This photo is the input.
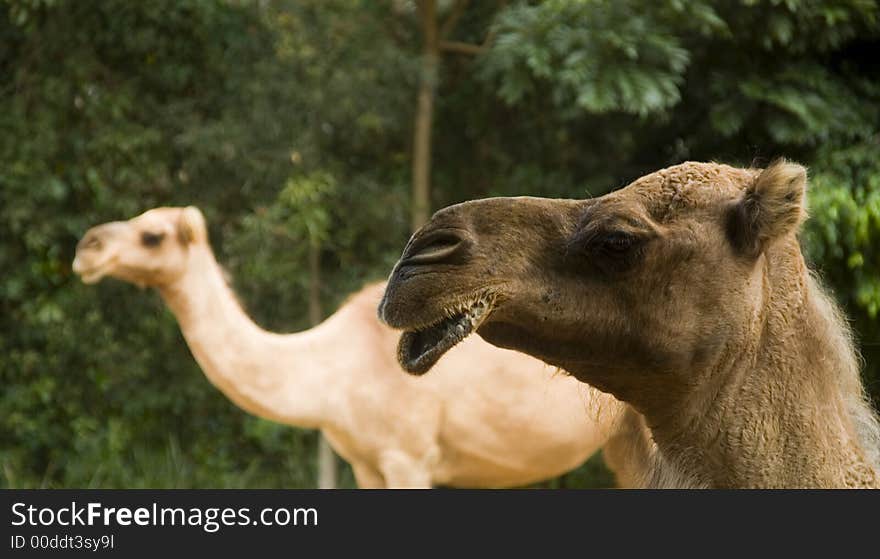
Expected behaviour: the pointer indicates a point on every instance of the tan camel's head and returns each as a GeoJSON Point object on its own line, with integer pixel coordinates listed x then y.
{"type": "Point", "coordinates": [644, 282]}
{"type": "Point", "coordinates": [149, 250]}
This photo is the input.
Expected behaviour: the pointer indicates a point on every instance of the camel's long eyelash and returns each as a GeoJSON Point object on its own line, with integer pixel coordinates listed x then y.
{"type": "Point", "coordinates": [605, 242]}
{"type": "Point", "coordinates": [611, 251]}
{"type": "Point", "coordinates": [615, 243]}
{"type": "Point", "coordinates": [152, 239]}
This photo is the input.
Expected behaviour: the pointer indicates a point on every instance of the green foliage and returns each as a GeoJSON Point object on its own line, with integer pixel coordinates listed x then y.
{"type": "Point", "coordinates": [842, 236]}
{"type": "Point", "coordinates": [308, 198]}
{"type": "Point", "coordinates": [593, 56]}
{"type": "Point", "coordinates": [592, 475]}
{"type": "Point", "coordinates": [845, 227]}
{"type": "Point", "coordinates": [291, 121]}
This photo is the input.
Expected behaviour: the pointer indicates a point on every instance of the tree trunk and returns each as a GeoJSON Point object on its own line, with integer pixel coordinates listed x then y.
{"type": "Point", "coordinates": [327, 474]}
{"type": "Point", "coordinates": [421, 199]}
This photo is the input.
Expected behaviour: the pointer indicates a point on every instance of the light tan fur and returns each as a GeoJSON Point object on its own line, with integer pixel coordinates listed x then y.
{"type": "Point", "coordinates": [489, 418]}
{"type": "Point", "coordinates": [684, 294]}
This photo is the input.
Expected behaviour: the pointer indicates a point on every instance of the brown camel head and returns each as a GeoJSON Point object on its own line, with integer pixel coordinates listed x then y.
{"type": "Point", "coordinates": [641, 284]}
{"type": "Point", "coordinates": [149, 250]}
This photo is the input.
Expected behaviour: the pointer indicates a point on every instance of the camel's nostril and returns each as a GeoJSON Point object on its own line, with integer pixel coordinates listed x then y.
{"type": "Point", "coordinates": [435, 247]}
{"type": "Point", "coordinates": [89, 242]}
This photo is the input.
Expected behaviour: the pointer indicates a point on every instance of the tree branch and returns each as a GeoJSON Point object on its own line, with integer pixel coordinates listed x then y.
{"type": "Point", "coordinates": [458, 46]}
{"type": "Point", "coordinates": [462, 48]}
{"type": "Point", "coordinates": [457, 11]}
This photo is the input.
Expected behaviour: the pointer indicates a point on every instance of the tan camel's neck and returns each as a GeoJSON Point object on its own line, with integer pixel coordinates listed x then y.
{"type": "Point", "coordinates": [781, 415]}
{"type": "Point", "coordinates": [283, 378]}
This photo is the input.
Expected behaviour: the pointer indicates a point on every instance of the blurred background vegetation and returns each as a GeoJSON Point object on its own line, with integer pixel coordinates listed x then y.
{"type": "Point", "coordinates": [296, 121]}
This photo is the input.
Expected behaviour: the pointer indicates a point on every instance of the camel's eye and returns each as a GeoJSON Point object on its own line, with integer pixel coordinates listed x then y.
{"type": "Point", "coordinates": [616, 243]}
{"type": "Point", "coordinates": [151, 240]}
{"type": "Point", "coordinates": [614, 252]}
{"type": "Point", "coordinates": [611, 249]}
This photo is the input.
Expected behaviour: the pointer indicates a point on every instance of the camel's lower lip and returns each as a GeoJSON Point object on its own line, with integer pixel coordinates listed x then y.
{"type": "Point", "coordinates": [88, 275]}
{"type": "Point", "coordinates": [420, 349]}
{"type": "Point", "coordinates": [91, 277]}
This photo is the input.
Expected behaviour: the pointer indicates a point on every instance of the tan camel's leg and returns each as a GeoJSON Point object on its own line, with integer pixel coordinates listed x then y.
{"type": "Point", "coordinates": [367, 477]}
{"type": "Point", "coordinates": [402, 471]}
{"type": "Point", "coordinates": [629, 450]}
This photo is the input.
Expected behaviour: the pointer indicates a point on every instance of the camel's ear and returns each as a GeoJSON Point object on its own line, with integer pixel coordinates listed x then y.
{"type": "Point", "coordinates": [191, 227]}
{"type": "Point", "coordinates": [771, 207]}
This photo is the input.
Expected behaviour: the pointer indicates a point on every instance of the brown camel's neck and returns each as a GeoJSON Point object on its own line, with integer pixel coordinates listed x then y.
{"type": "Point", "coordinates": [777, 411]}
{"type": "Point", "coordinates": [283, 378]}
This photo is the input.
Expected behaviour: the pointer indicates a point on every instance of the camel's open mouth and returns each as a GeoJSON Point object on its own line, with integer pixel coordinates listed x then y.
{"type": "Point", "coordinates": [420, 349]}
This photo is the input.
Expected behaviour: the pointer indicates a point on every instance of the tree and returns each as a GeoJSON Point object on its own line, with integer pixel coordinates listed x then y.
{"type": "Point", "coordinates": [435, 41]}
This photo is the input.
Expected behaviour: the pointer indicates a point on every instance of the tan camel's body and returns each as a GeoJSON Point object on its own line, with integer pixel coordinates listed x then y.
{"type": "Point", "coordinates": [489, 418]}
{"type": "Point", "coordinates": [684, 294]}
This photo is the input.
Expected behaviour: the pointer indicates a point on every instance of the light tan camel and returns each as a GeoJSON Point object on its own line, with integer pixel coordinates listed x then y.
{"type": "Point", "coordinates": [490, 418]}
{"type": "Point", "coordinates": [684, 294]}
